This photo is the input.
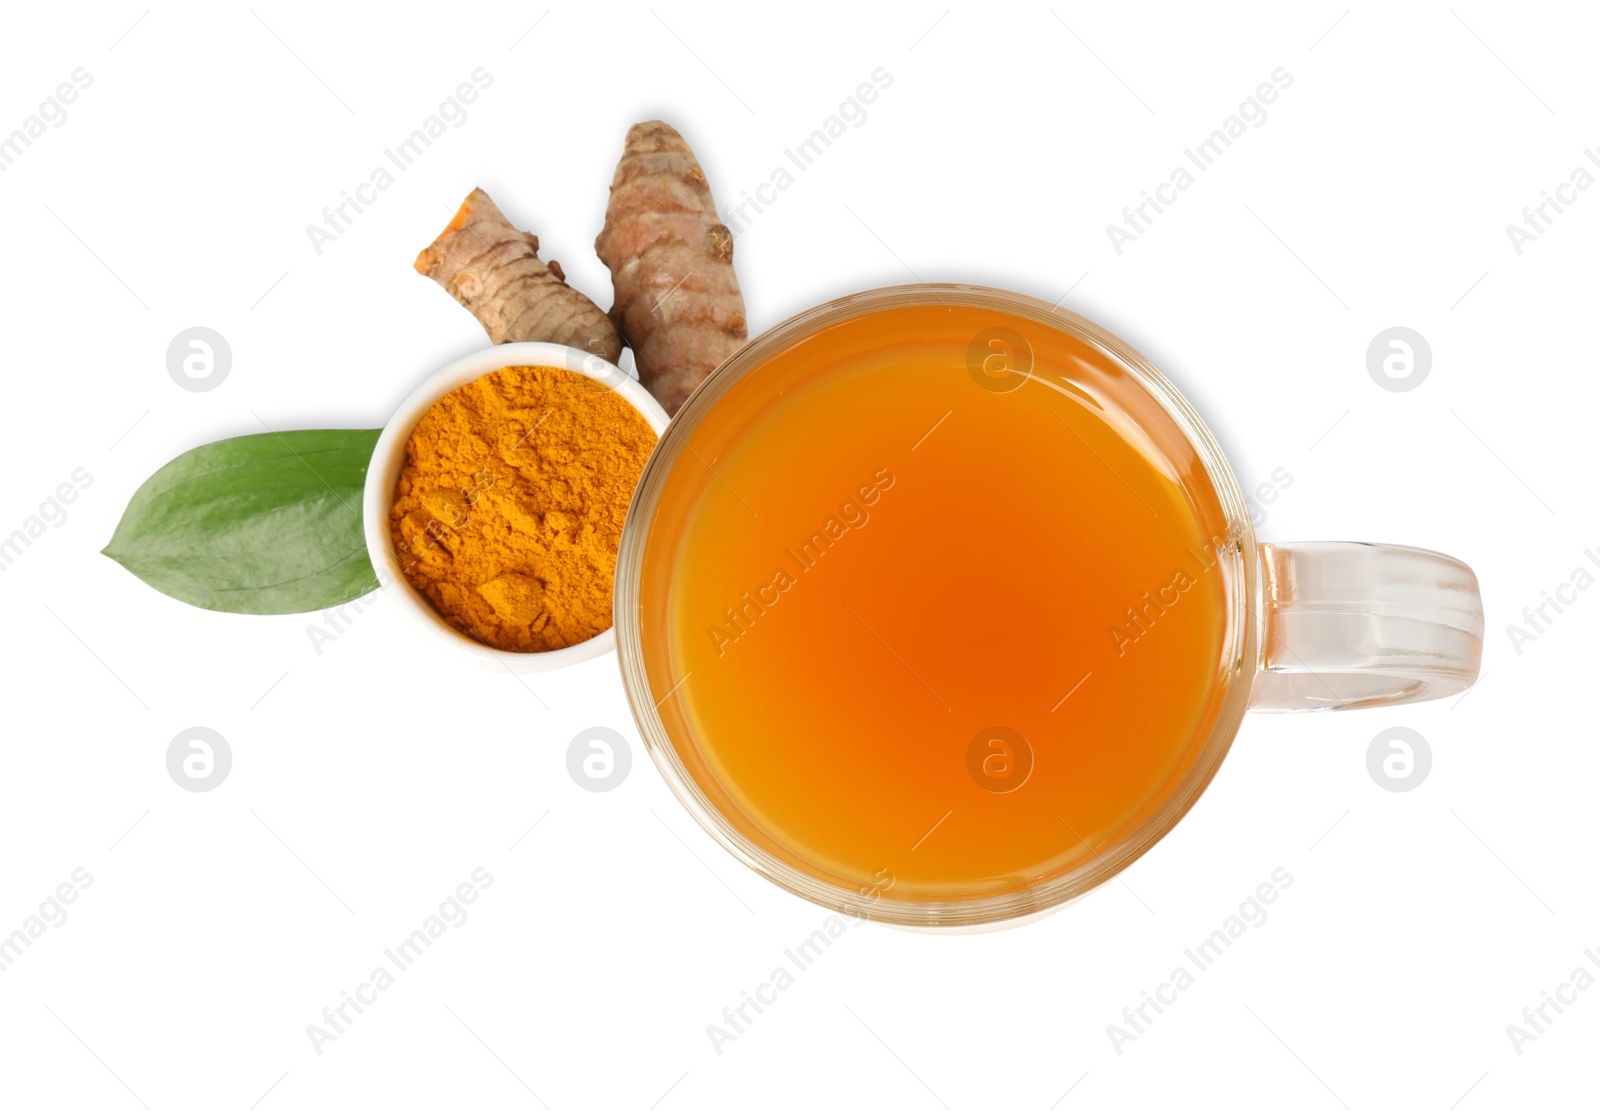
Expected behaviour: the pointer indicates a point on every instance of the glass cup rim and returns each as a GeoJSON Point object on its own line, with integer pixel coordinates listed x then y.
{"type": "Point", "coordinates": [1240, 648]}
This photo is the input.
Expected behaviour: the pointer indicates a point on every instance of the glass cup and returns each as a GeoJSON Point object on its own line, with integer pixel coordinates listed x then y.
{"type": "Point", "coordinates": [1308, 626]}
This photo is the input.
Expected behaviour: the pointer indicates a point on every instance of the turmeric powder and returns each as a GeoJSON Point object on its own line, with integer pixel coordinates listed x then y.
{"type": "Point", "coordinates": [508, 510]}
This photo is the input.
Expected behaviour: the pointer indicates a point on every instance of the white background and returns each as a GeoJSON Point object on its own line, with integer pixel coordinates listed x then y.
{"type": "Point", "coordinates": [372, 777]}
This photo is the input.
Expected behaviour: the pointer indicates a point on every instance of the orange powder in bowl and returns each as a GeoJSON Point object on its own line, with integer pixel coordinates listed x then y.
{"type": "Point", "coordinates": [508, 510]}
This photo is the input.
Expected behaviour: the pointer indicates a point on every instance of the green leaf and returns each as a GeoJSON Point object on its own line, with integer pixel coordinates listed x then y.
{"type": "Point", "coordinates": [260, 524]}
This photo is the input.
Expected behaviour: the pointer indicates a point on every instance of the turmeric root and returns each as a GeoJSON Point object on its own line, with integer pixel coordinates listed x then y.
{"type": "Point", "coordinates": [677, 300]}
{"type": "Point", "coordinates": [493, 269]}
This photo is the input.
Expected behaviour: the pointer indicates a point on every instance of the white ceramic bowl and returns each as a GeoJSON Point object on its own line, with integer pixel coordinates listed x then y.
{"type": "Point", "coordinates": [389, 456]}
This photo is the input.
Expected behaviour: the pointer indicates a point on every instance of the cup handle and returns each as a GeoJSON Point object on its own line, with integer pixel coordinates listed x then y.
{"type": "Point", "coordinates": [1352, 625]}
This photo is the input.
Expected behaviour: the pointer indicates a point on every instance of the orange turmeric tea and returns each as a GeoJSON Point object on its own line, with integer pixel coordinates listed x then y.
{"type": "Point", "coordinates": [932, 604]}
